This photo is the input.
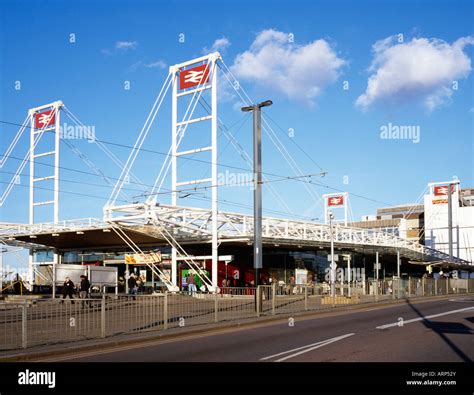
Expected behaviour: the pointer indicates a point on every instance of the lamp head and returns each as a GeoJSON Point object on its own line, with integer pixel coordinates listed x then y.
{"type": "Point", "coordinates": [265, 103]}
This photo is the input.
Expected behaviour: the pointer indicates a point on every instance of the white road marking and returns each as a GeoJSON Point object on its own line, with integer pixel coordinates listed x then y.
{"type": "Point", "coordinates": [423, 318]}
{"type": "Point", "coordinates": [463, 300]}
{"type": "Point", "coordinates": [307, 348]}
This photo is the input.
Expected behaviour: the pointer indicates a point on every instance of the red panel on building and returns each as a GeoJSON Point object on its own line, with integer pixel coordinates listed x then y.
{"type": "Point", "coordinates": [192, 77]}
{"type": "Point", "coordinates": [44, 119]}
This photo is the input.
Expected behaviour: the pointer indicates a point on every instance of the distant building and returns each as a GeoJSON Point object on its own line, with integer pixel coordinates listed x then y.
{"type": "Point", "coordinates": [427, 223]}
{"type": "Point", "coordinates": [406, 221]}
{"type": "Point", "coordinates": [436, 214]}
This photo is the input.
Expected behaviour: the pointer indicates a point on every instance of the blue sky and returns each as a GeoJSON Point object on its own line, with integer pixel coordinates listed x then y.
{"type": "Point", "coordinates": [339, 129]}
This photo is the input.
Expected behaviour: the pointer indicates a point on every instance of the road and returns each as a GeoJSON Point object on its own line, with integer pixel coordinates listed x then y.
{"type": "Point", "coordinates": [434, 331]}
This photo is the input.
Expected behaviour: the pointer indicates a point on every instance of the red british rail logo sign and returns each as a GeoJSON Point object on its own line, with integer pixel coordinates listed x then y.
{"type": "Point", "coordinates": [192, 77]}
{"type": "Point", "coordinates": [44, 119]}
{"type": "Point", "coordinates": [336, 201]}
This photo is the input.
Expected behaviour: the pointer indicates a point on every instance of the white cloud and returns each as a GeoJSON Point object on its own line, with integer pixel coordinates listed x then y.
{"type": "Point", "coordinates": [126, 45]}
{"type": "Point", "coordinates": [157, 64]}
{"type": "Point", "coordinates": [300, 72]}
{"type": "Point", "coordinates": [420, 70]}
{"type": "Point", "coordinates": [221, 44]}
{"type": "Point", "coordinates": [120, 46]}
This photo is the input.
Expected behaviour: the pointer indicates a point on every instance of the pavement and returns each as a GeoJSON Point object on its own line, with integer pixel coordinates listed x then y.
{"type": "Point", "coordinates": [416, 331]}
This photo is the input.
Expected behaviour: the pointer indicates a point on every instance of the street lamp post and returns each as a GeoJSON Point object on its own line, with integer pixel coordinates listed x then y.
{"type": "Point", "coordinates": [333, 264]}
{"type": "Point", "coordinates": [257, 181]}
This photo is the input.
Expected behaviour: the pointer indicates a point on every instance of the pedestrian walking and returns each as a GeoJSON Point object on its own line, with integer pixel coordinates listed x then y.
{"type": "Point", "coordinates": [68, 290]}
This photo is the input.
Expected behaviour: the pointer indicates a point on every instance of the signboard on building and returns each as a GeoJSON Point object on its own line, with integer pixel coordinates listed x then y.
{"type": "Point", "coordinates": [103, 276]}
{"type": "Point", "coordinates": [140, 259]}
{"type": "Point", "coordinates": [74, 272]}
{"type": "Point", "coordinates": [143, 276]}
{"type": "Point", "coordinates": [192, 77]}
{"type": "Point", "coordinates": [440, 193]}
{"type": "Point", "coordinates": [301, 276]}
{"type": "Point", "coordinates": [98, 275]}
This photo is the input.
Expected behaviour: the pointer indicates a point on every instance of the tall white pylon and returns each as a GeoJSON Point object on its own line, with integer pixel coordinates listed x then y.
{"type": "Point", "coordinates": [193, 78]}
{"type": "Point", "coordinates": [44, 119]}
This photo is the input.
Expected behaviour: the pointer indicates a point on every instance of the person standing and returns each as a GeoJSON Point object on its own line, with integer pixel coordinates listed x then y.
{"type": "Point", "coordinates": [68, 290]}
{"type": "Point", "coordinates": [292, 284]}
{"type": "Point", "coordinates": [191, 284]}
{"type": "Point", "coordinates": [132, 285]}
{"type": "Point", "coordinates": [84, 289]}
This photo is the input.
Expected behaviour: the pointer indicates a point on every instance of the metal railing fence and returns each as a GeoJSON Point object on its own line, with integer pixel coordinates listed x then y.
{"type": "Point", "coordinates": [36, 322]}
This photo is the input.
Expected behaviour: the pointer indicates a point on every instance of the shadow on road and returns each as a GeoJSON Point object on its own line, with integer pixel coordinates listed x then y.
{"type": "Point", "coordinates": [442, 328]}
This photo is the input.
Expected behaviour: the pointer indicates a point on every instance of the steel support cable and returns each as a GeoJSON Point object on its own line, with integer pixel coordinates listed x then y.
{"type": "Point", "coordinates": [187, 259]}
{"type": "Point", "coordinates": [139, 142]}
{"type": "Point", "coordinates": [14, 142]}
{"type": "Point", "coordinates": [244, 155]}
{"type": "Point", "coordinates": [22, 259]}
{"type": "Point", "coordinates": [289, 159]}
{"type": "Point", "coordinates": [188, 190]}
{"type": "Point", "coordinates": [192, 159]}
{"type": "Point", "coordinates": [67, 192]}
{"type": "Point", "coordinates": [91, 165]}
{"type": "Point", "coordinates": [203, 161]}
{"type": "Point", "coordinates": [274, 138]}
{"type": "Point", "coordinates": [309, 182]}
{"type": "Point", "coordinates": [136, 249]}
{"type": "Point", "coordinates": [82, 182]}
{"type": "Point", "coordinates": [280, 145]}
{"type": "Point", "coordinates": [437, 210]}
{"type": "Point", "coordinates": [294, 142]}
{"type": "Point", "coordinates": [412, 209]}
{"type": "Point", "coordinates": [104, 149]}
{"type": "Point", "coordinates": [351, 214]}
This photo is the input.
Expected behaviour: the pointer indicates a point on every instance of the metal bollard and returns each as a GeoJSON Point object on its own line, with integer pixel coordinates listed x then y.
{"type": "Point", "coordinates": [409, 286]}
{"type": "Point", "coordinates": [165, 311]}
{"type": "Point", "coordinates": [24, 321]}
{"type": "Point", "coordinates": [216, 307]}
{"type": "Point", "coordinates": [258, 300]}
{"type": "Point", "coordinates": [306, 297]}
{"type": "Point", "coordinates": [273, 298]}
{"type": "Point", "coordinates": [102, 317]}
